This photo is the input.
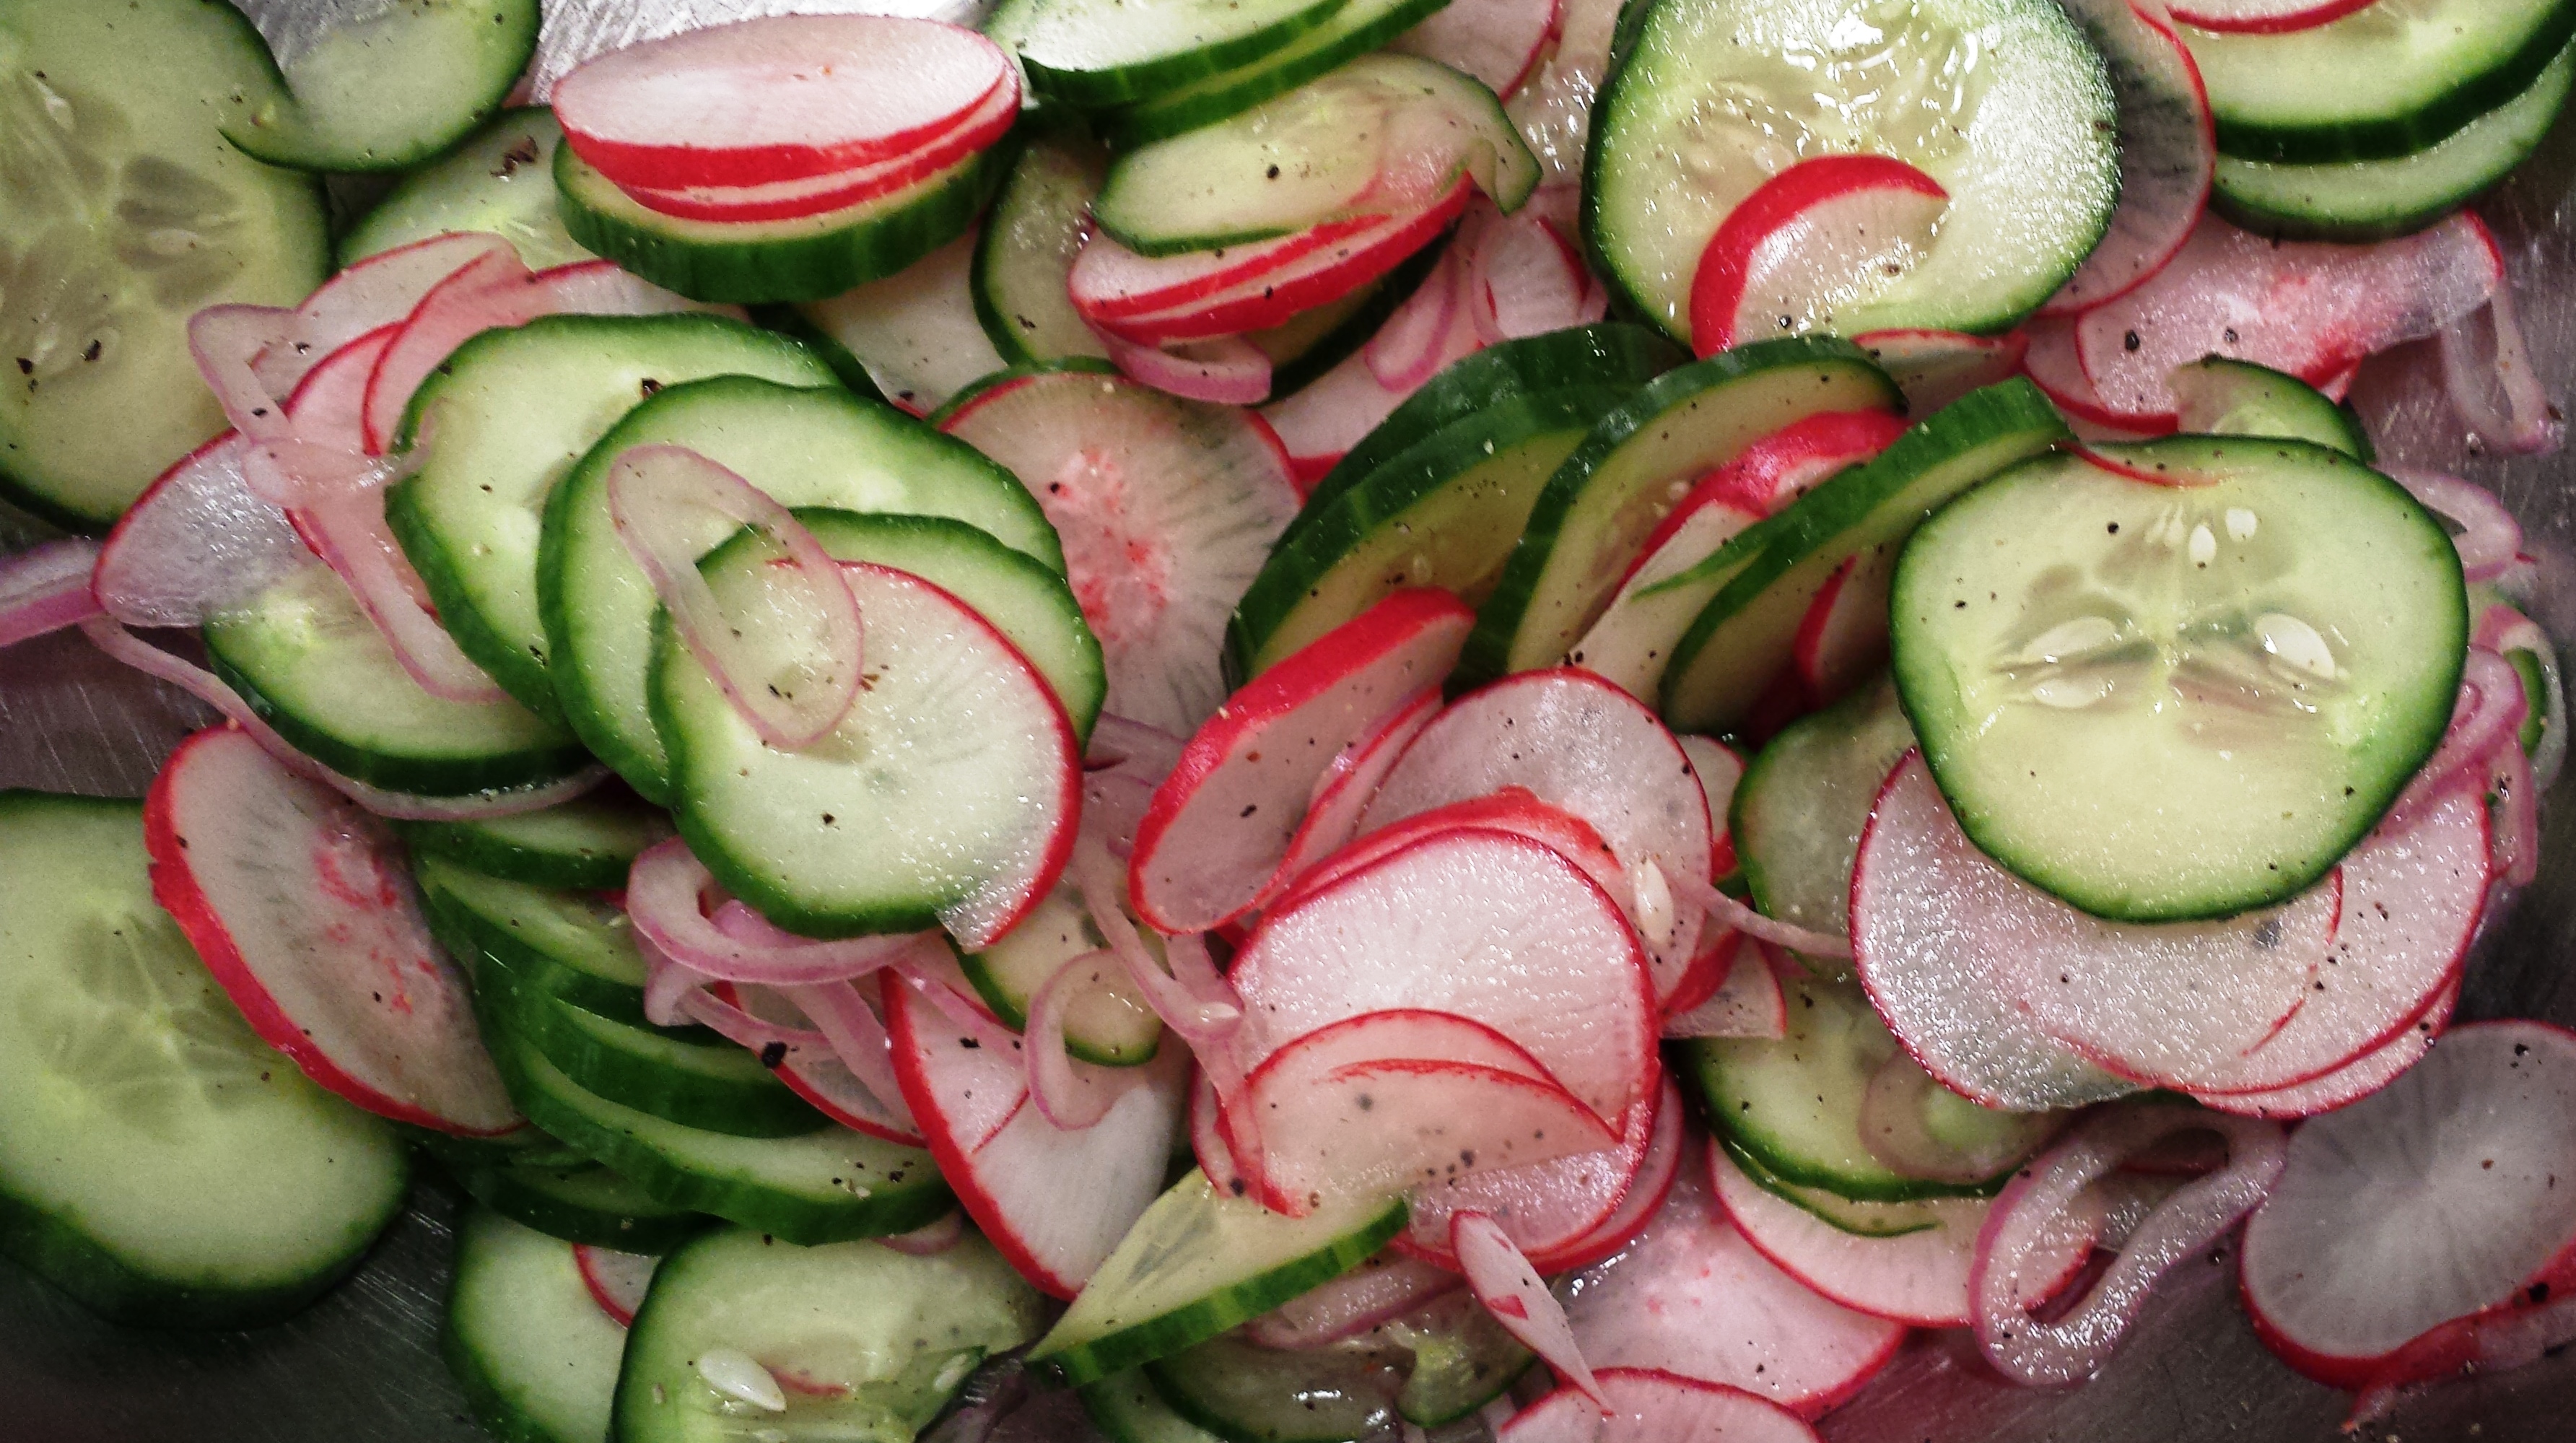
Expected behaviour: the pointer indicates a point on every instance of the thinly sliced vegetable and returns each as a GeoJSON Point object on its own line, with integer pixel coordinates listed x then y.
{"type": "Point", "coordinates": [2168, 150]}
{"type": "Point", "coordinates": [1648, 1405]}
{"type": "Point", "coordinates": [382, 89]}
{"type": "Point", "coordinates": [1510, 1290]}
{"type": "Point", "coordinates": [1825, 234]}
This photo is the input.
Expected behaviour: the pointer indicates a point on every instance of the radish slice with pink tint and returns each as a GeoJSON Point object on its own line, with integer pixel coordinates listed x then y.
{"type": "Point", "coordinates": [2488, 374]}
{"type": "Point", "coordinates": [1920, 896]}
{"type": "Point", "coordinates": [1823, 233]}
{"type": "Point", "coordinates": [1650, 1406]}
{"type": "Point", "coordinates": [2072, 1347]}
{"type": "Point", "coordinates": [1414, 342]}
{"type": "Point", "coordinates": [666, 888]}
{"type": "Point", "coordinates": [1499, 42]}
{"type": "Point", "coordinates": [1579, 743]}
{"type": "Point", "coordinates": [1121, 285]}
{"type": "Point", "coordinates": [2489, 539]}
{"type": "Point", "coordinates": [1934, 368]}
{"type": "Point", "coordinates": [1222, 823]}
{"type": "Point", "coordinates": [2305, 307]}
{"type": "Point", "coordinates": [1226, 370]}
{"type": "Point", "coordinates": [1747, 1003]}
{"type": "Point", "coordinates": [375, 292]}
{"type": "Point", "coordinates": [2168, 150]}
{"type": "Point", "coordinates": [1551, 1210]}
{"type": "Point", "coordinates": [1918, 1278]}
{"type": "Point", "coordinates": [2442, 1196]}
{"type": "Point", "coordinates": [1665, 1152]}
{"type": "Point", "coordinates": [1526, 279]}
{"type": "Point", "coordinates": [1343, 792]}
{"type": "Point", "coordinates": [1372, 1128]}
{"type": "Point", "coordinates": [304, 911]}
{"type": "Point", "coordinates": [2486, 1343]}
{"type": "Point", "coordinates": [1510, 1290]}
{"type": "Point", "coordinates": [1208, 1142]}
{"type": "Point", "coordinates": [1401, 1033]}
{"type": "Point", "coordinates": [1385, 1287]}
{"type": "Point", "coordinates": [46, 588]}
{"type": "Point", "coordinates": [1330, 414]}
{"type": "Point", "coordinates": [1493, 927]}
{"type": "Point", "coordinates": [196, 544]}
{"type": "Point", "coordinates": [1513, 810]}
{"type": "Point", "coordinates": [855, 1086]}
{"type": "Point", "coordinates": [2052, 364]}
{"type": "Point", "coordinates": [738, 203]}
{"type": "Point", "coordinates": [2263, 17]}
{"type": "Point", "coordinates": [1842, 640]}
{"type": "Point", "coordinates": [2349, 1083]}
{"type": "Point", "coordinates": [616, 1280]}
{"type": "Point", "coordinates": [1691, 1297]}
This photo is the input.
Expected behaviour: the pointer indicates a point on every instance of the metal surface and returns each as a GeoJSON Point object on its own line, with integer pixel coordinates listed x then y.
{"type": "Point", "coordinates": [363, 1366]}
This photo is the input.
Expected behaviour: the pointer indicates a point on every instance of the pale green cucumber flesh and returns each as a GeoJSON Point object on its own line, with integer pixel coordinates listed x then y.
{"type": "Point", "coordinates": [586, 843]}
{"type": "Point", "coordinates": [1108, 1022]}
{"type": "Point", "coordinates": [1355, 29]}
{"type": "Point", "coordinates": [389, 90]}
{"type": "Point", "coordinates": [523, 1336]}
{"type": "Point", "coordinates": [2221, 396]}
{"type": "Point", "coordinates": [1800, 808]}
{"type": "Point", "coordinates": [1102, 52]}
{"type": "Point", "coordinates": [1024, 254]}
{"type": "Point", "coordinates": [499, 180]}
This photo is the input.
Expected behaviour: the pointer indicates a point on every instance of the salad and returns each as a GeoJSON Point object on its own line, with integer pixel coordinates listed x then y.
{"type": "Point", "coordinates": [1338, 720]}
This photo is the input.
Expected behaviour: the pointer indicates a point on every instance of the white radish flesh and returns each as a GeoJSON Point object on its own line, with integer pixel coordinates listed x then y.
{"type": "Point", "coordinates": [1646, 1406]}
{"type": "Point", "coordinates": [2168, 150]}
{"type": "Point", "coordinates": [1512, 1294]}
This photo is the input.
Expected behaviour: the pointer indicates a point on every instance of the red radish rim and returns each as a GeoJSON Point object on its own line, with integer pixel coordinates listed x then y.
{"type": "Point", "coordinates": [1610, 1379]}
{"type": "Point", "coordinates": [2077, 295]}
{"type": "Point", "coordinates": [2305, 15]}
{"type": "Point", "coordinates": [1667, 1150]}
{"type": "Point", "coordinates": [1724, 269]}
{"type": "Point", "coordinates": [1646, 1126]}
{"type": "Point", "coordinates": [988, 122]}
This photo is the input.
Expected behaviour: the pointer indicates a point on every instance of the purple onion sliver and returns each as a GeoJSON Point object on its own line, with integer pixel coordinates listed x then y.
{"type": "Point", "coordinates": [47, 588]}
{"type": "Point", "coordinates": [664, 889]}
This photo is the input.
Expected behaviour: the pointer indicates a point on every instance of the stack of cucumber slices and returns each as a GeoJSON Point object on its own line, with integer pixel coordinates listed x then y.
{"type": "Point", "coordinates": [1327, 718]}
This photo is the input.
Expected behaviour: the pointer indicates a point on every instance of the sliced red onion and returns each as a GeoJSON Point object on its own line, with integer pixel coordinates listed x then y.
{"type": "Point", "coordinates": [937, 977]}
{"type": "Point", "coordinates": [1385, 1287]}
{"type": "Point", "coordinates": [375, 292]}
{"type": "Point", "coordinates": [840, 1011]}
{"type": "Point", "coordinates": [2487, 371]}
{"type": "Point", "coordinates": [1513, 1294]}
{"type": "Point", "coordinates": [1072, 1095]}
{"type": "Point", "coordinates": [935, 1238]}
{"type": "Point", "coordinates": [2517, 833]}
{"type": "Point", "coordinates": [47, 588]}
{"type": "Point", "coordinates": [792, 698]}
{"type": "Point", "coordinates": [1409, 347]}
{"type": "Point", "coordinates": [2029, 1210]}
{"type": "Point", "coordinates": [1193, 999]}
{"type": "Point", "coordinates": [754, 1034]}
{"type": "Point", "coordinates": [665, 898]}
{"type": "Point", "coordinates": [1892, 1127]}
{"type": "Point", "coordinates": [2489, 538]}
{"type": "Point", "coordinates": [1132, 748]}
{"type": "Point", "coordinates": [279, 464]}
{"type": "Point", "coordinates": [2488, 715]}
{"type": "Point", "coordinates": [196, 544]}
{"type": "Point", "coordinates": [2491, 1342]}
{"type": "Point", "coordinates": [1224, 370]}
{"type": "Point", "coordinates": [1728, 912]}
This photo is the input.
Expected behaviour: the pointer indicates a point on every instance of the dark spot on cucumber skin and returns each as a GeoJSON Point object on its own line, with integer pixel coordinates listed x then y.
{"type": "Point", "coordinates": [648, 387]}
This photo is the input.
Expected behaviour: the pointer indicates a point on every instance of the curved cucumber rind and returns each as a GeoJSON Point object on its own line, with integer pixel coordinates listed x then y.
{"type": "Point", "coordinates": [1859, 1219]}
{"type": "Point", "coordinates": [1602, 503]}
{"type": "Point", "coordinates": [879, 1339]}
{"type": "Point", "coordinates": [804, 447]}
{"type": "Point", "coordinates": [712, 1085]}
{"type": "Point", "coordinates": [811, 258]}
{"type": "Point", "coordinates": [2386, 80]}
{"type": "Point", "coordinates": [312, 665]}
{"type": "Point", "coordinates": [114, 145]}
{"type": "Point", "coordinates": [584, 844]}
{"type": "Point", "coordinates": [2222, 396]}
{"type": "Point", "coordinates": [531, 1348]}
{"type": "Point", "coordinates": [1197, 1264]}
{"type": "Point", "coordinates": [498, 180]}
{"type": "Point", "coordinates": [506, 409]}
{"type": "Point", "coordinates": [1701, 87]}
{"type": "Point", "coordinates": [2368, 200]}
{"type": "Point", "coordinates": [1351, 31]}
{"type": "Point", "coordinates": [2244, 675]}
{"type": "Point", "coordinates": [579, 1202]}
{"type": "Point", "coordinates": [563, 944]}
{"type": "Point", "coordinates": [392, 90]}
{"type": "Point", "coordinates": [1742, 637]}
{"type": "Point", "coordinates": [1024, 254]}
{"type": "Point", "coordinates": [1801, 806]}
{"type": "Point", "coordinates": [1091, 53]}
{"type": "Point", "coordinates": [1128, 1409]}
{"type": "Point", "coordinates": [1107, 1022]}
{"type": "Point", "coordinates": [158, 1162]}
{"type": "Point", "coordinates": [1432, 1366]}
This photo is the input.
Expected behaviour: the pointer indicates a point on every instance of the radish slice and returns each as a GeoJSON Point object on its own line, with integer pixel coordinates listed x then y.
{"type": "Point", "coordinates": [1222, 822]}
{"type": "Point", "coordinates": [1510, 1290]}
{"type": "Point", "coordinates": [2263, 17]}
{"type": "Point", "coordinates": [1720, 768]}
{"type": "Point", "coordinates": [2491, 1342]}
{"type": "Point", "coordinates": [1645, 1405]}
{"type": "Point", "coordinates": [196, 544]}
{"type": "Point", "coordinates": [2304, 307]}
{"type": "Point", "coordinates": [1343, 792]}
{"type": "Point", "coordinates": [303, 909]}
{"type": "Point", "coordinates": [2489, 539]}
{"type": "Point", "coordinates": [2052, 364]}
{"type": "Point", "coordinates": [46, 588]}
{"type": "Point", "coordinates": [1549, 1209]}
{"type": "Point", "coordinates": [665, 899]}
{"type": "Point", "coordinates": [736, 202]}
{"type": "Point", "coordinates": [1525, 278]}
{"type": "Point", "coordinates": [375, 292]}
{"type": "Point", "coordinates": [1842, 640]}
{"type": "Point", "coordinates": [1920, 896]}
{"type": "Point", "coordinates": [1934, 368]}
{"type": "Point", "coordinates": [2168, 150]}
{"type": "Point", "coordinates": [1821, 234]}
{"type": "Point", "coordinates": [2349, 1083]}
{"type": "Point", "coordinates": [1513, 810]}
{"type": "Point", "coordinates": [277, 464]}
{"type": "Point", "coordinates": [1226, 370]}
{"type": "Point", "coordinates": [856, 1086]}
{"type": "Point", "coordinates": [2013, 1244]}
{"type": "Point", "coordinates": [1918, 1278]}
{"type": "Point", "coordinates": [1495, 928]}
{"type": "Point", "coordinates": [616, 1280]}
{"type": "Point", "coordinates": [2439, 1197]}
{"type": "Point", "coordinates": [1690, 1296]}
{"type": "Point", "coordinates": [1578, 743]}
{"type": "Point", "coordinates": [1748, 1003]}
{"type": "Point", "coordinates": [1385, 1287]}
{"type": "Point", "coordinates": [776, 99]}
{"type": "Point", "coordinates": [1414, 343]}
{"type": "Point", "coordinates": [1330, 414]}
{"type": "Point", "coordinates": [1375, 1127]}
{"type": "Point", "coordinates": [1119, 284]}
{"type": "Point", "coordinates": [2488, 374]}
{"type": "Point", "coordinates": [1409, 1032]}
{"type": "Point", "coordinates": [1500, 42]}
{"type": "Point", "coordinates": [1665, 1153]}
{"type": "Point", "coordinates": [1209, 1143]}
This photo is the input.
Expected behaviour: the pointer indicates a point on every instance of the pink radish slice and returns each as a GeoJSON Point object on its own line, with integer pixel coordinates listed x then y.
{"type": "Point", "coordinates": [2488, 374]}
{"type": "Point", "coordinates": [2263, 17]}
{"type": "Point", "coordinates": [1546, 1208]}
{"type": "Point", "coordinates": [377, 291]}
{"type": "Point", "coordinates": [1525, 278]}
{"type": "Point", "coordinates": [1055, 1203]}
{"type": "Point", "coordinates": [775, 99]}
{"type": "Point", "coordinates": [1385, 1287]}
{"type": "Point", "coordinates": [1747, 1003]}
{"type": "Point", "coordinates": [1414, 342]}
{"type": "Point", "coordinates": [1510, 1290]}
{"type": "Point", "coordinates": [2305, 307]}
{"type": "Point", "coordinates": [46, 588]}
{"type": "Point", "coordinates": [2497, 1341]}
{"type": "Point", "coordinates": [1691, 1297]}
{"type": "Point", "coordinates": [1226, 370]}
{"type": "Point", "coordinates": [1222, 822]}
{"type": "Point", "coordinates": [2168, 150]}
{"type": "Point", "coordinates": [1665, 1152]}
{"type": "Point", "coordinates": [303, 909]}
{"type": "Point", "coordinates": [1500, 42]}
{"type": "Point", "coordinates": [1581, 744]}
{"type": "Point", "coordinates": [1495, 928]}
{"type": "Point", "coordinates": [196, 543]}
{"type": "Point", "coordinates": [1842, 639]}
{"type": "Point", "coordinates": [1816, 235]}
{"type": "Point", "coordinates": [1208, 1142]}
{"type": "Point", "coordinates": [1119, 284]}
{"type": "Point", "coordinates": [1330, 414]}
{"type": "Point", "coordinates": [856, 1085]}
{"type": "Point", "coordinates": [1400, 1033]}
{"type": "Point", "coordinates": [616, 1280]}
{"type": "Point", "coordinates": [2351, 1082]}
{"type": "Point", "coordinates": [1920, 898]}
{"type": "Point", "coordinates": [2441, 1196]}
{"type": "Point", "coordinates": [1513, 810]}
{"type": "Point", "coordinates": [1342, 793]}
{"type": "Point", "coordinates": [979, 127]}
{"type": "Point", "coordinates": [1649, 1406]}
{"type": "Point", "coordinates": [2052, 364]}
{"type": "Point", "coordinates": [1934, 368]}
{"type": "Point", "coordinates": [1917, 1278]}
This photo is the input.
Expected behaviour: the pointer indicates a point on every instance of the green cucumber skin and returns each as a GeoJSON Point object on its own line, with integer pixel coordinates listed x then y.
{"type": "Point", "coordinates": [1027, 187]}
{"type": "Point", "coordinates": [491, 1411]}
{"type": "Point", "coordinates": [1787, 1192]}
{"type": "Point", "coordinates": [477, 850]}
{"type": "Point", "coordinates": [1175, 115]}
{"type": "Point", "coordinates": [791, 323]}
{"type": "Point", "coordinates": [1498, 622]}
{"type": "Point", "coordinates": [698, 259]}
{"type": "Point", "coordinates": [510, 1191]}
{"type": "Point", "coordinates": [299, 147]}
{"type": "Point", "coordinates": [481, 942]}
{"type": "Point", "coordinates": [454, 194]}
{"type": "Point", "coordinates": [1122, 84]}
{"type": "Point", "coordinates": [524, 677]}
{"type": "Point", "coordinates": [2271, 403]}
{"type": "Point", "coordinates": [1700, 1066]}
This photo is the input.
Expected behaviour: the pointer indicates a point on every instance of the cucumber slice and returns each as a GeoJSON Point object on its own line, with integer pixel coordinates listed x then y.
{"type": "Point", "coordinates": [1598, 509]}
{"type": "Point", "coordinates": [1860, 1219]}
{"type": "Point", "coordinates": [2222, 396]}
{"type": "Point", "coordinates": [1434, 1366]}
{"type": "Point", "coordinates": [584, 844]}
{"type": "Point", "coordinates": [817, 447]}
{"type": "Point", "coordinates": [1743, 636]}
{"type": "Point", "coordinates": [312, 664]}
{"type": "Point", "coordinates": [158, 1162]}
{"type": "Point", "coordinates": [1091, 53]}
{"type": "Point", "coordinates": [709, 1084]}
{"type": "Point", "coordinates": [1197, 1264]}
{"type": "Point", "coordinates": [499, 180]}
{"type": "Point", "coordinates": [386, 89]}
{"type": "Point", "coordinates": [509, 411]}
{"type": "Point", "coordinates": [916, 333]}
{"type": "Point", "coordinates": [1108, 1021]}
{"type": "Point", "coordinates": [2001, 101]}
{"type": "Point", "coordinates": [2368, 200]}
{"type": "Point", "coordinates": [1799, 811]}
{"type": "Point", "coordinates": [562, 944]}
{"type": "Point", "coordinates": [122, 214]}
{"type": "Point", "coordinates": [1353, 30]}
{"type": "Point", "coordinates": [809, 258]}
{"type": "Point", "coordinates": [2386, 80]}
{"type": "Point", "coordinates": [1128, 1410]}
{"type": "Point", "coordinates": [853, 1340]}
{"type": "Point", "coordinates": [1313, 154]}
{"type": "Point", "coordinates": [2166, 703]}
{"type": "Point", "coordinates": [945, 797]}
{"type": "Point", "coordinates": [825, 1186]}
{"type": "Point", "coordinates": [1024, 254]}
{"type": "Point", "coordinates": [532, 1349]}
{"type": "Point", "coordinates": [579, 1202]}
